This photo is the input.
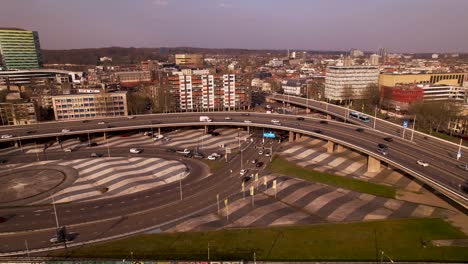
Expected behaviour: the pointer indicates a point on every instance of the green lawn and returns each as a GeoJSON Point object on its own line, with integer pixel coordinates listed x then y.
{"type": "Point", "coordinates": [401, 240]}
{"type": "Point", "coordinates": [215, 165]}
{"type": "Point", "coordinates": [282, 166]}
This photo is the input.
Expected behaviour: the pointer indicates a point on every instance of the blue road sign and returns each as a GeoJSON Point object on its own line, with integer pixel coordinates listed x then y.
{"type": "Point", "coordinates": [405, 123]}
{"type": "Point", "coordinates": [269, 135]}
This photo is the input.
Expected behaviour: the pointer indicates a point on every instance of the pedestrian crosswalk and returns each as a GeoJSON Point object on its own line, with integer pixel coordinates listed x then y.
{"type": "Point", "coordinates": [178, 139]}
{"type": "Point", "coordinates": [110, 177]}
{"type": "Point", "coordinates": [312, 153]}
{"type": "Point", "coordinates": [302, 202]}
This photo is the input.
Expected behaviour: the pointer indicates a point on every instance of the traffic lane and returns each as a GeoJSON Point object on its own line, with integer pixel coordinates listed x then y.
{"type": "Point", "coordinates": [370, 144]}
{"type": "Point", "coordinates": [448, 163]}
{"type": "Point", "coordinates": [95, 211]}
{"type": "Point", "coordinates": [93, 207]}
{"type": "Point", "coordinates": [396, 130]}
{"type": "Point", "coordinates": [189, 205]}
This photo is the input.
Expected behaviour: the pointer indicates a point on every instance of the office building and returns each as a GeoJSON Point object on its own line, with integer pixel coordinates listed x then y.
{"type": "Point", "coordinates": [297, 87]}
{"type": "Point", "coordinates": [85, 106]}
{"type": "Point", "coordinates": [383, 54]}
{"type": "Point", "coordinates": [393, 79]}
{"type": "Point", "coordinates": [19, 49]}
{"type": "Point", "coordinates": [37, 76]}
{"type": "Point", "coordinates": [444, 93]}
{"type": "Point", "coordinates": [17, 114]}
{"type": "Point", "coordinates": [349, 82]}
{"type": "Point", "coordinates": [194, 60]}
{"type": "Point", "coordinates": [131, 78]}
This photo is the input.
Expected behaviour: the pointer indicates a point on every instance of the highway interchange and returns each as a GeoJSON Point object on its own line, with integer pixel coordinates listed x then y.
{"type": "Point", "coordinates": [155, 208]}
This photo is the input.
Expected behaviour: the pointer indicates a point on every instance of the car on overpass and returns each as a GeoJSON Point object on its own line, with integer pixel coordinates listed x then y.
{"type": "Point", "coordinates": [6, 136]}
{"type": "Point", "coordinates": [423, 163]}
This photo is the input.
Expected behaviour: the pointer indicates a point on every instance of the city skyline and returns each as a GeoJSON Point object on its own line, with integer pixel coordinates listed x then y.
{"type": "Point", "coordinates": [400, 26]}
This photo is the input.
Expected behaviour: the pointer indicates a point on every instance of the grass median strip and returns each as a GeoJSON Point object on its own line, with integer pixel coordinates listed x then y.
{"type": "Point", "coordinates": [282, 166]}
{"type": "Point", "coordinates": [401, 240]}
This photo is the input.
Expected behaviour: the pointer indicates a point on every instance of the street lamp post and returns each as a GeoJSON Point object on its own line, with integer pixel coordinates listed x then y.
{"type": "Point", "coordinates": [459, 149]}
{"type": "Point", "coordinates": [375, 116]}
{"type": "Point", "coordinates": [414, 124]}
{"type": "Point", "coordinates": [180, 185]}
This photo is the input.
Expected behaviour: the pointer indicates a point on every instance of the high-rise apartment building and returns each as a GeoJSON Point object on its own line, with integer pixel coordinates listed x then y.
{"type": "Point", "coordinates": [201, 91]}
{"type": "Point", "coordinates": [19, 49]}
{"type": "Point", "coordinates": [374, 60]}
{"type": "Point", "coordinates": [349, 82]}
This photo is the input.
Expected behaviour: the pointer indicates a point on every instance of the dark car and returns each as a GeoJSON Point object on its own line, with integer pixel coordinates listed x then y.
{"type": "Point", "coordinates": [247, 178]}
{"type": "Point", "coordinates": [464, 187]}
{"type": "Point", "coordinates": [31, 132]}
{"type": "Point", "coordinates": [463, 166]}
{"type": "Point", "coordinates": [318, 131]}
{"type": "Point", "coordinates": [110, 126]}
{"type": "Point", "coordinates": [3, 161]}
{"type": "Point", "coordinates": [382, 146]}
{"type": "Point", "coordinates": [323, 122]}
{"type": "Point", "coordinates": [198, 155]}
{"type": "Point", "coordinates": [215, 134]}
{"type": "Point", "coordinates": [259, 164]}
{"type": "Point", "coordinates": [92, 144]}
{"type": "Point", "coordinates": [188, 155]}
{"type": "Point", "coordinates": [171, 150]}
{"type": "Point", "coordinates": [388, 139]}
{"type": "Point", "coordinates": [360, 129]}
{"type": "Point", "coordinates": [300, 118]}
{"type": "Point", "coordinates": [96, 155]}
{"type": "Point", "coordinates": [154, 122]}
{"type": "Point", "coordinates": [245, 114]}
{"type": "Point", "coordinates": [85, 121]}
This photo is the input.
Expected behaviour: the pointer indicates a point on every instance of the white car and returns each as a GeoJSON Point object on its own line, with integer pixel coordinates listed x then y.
{"type": "Point", "coordinates": [423, 163]}
{"type": "Point", "coordinates": [227, 118]}
{"type": "Point", "coordinates": [260, 152]}
{"type": "Point", "coordinates": [101, 123]}
{"type": "Point", "coordinates": [216, 155]}
{"type": "Point", "coordinates": [65, 130]}
{"type": "Point", "coordinates": [211, 158]}
{"type": "Point", "coordinates": [158, 137]}
{"type": "Point", "coordinates": [243, 171]}
{"type": "Point", "coordinates": [135, 150]}
{"type": "Point", "coordinates": [130, 117]}
{"type": "Point", "coordinates": [185, 151]}
{"type": "Point", "coordinates": [6, 136]}
{"type": "Point", "coordinates": [247, 121]}
{"type": "Point", "coordinates": [68, 150]}
{"type": "Point", "coordinates": [267, 154]}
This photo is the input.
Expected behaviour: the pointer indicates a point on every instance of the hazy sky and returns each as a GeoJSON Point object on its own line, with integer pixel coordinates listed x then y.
{"type": "Point", "coordinates": [399, 25]}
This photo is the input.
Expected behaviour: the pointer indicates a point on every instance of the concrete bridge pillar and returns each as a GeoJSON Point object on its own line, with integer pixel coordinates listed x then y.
{"type": "Point", "coordinates": [329, 117]}
{"type": "Point", "coordinates": [159, 131]}
{"type": "Point", "coordinates": [298, 136]}
{"type": "Point", "coordinates": [17, 144]}
{"type": "Point", "coordinates": [248, 130]}
{"type": "Point", "coordinates": [307, 110]}
{"type": "Point", "coordinates": [373, 164]}
{"type": "Point", "coordinates": [330, 146]}
{"type": "Point", "coordinates": [206, 129]}
{"type": "Point", "coordinates": [291, 136]}
{"type": "Point", "coordinates": [104, 136]}
{"type": "Point", "coordinates": [339, 148]}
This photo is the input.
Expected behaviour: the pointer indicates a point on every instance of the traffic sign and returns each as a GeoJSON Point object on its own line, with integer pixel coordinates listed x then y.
{"type": "Point", "coordinates": [405, 123]}
{"type": "Point", "coordinates": [269, 135]}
